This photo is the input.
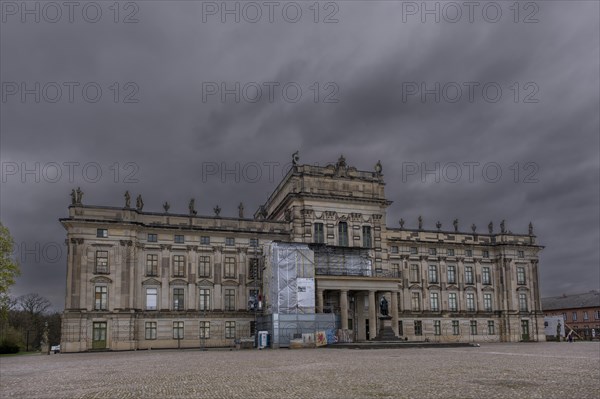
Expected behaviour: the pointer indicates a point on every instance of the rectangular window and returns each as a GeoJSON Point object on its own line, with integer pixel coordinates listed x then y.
{"type": "Point", "coordinates": [486, 277]}
{"type": "Point", "coordinates": [451, 274]}
{"type": "Point", "coordinates": [178, 266]}
{"type": "Point", "coordinates": [432, 251]}
{"type": "Point", "coordinates": [452, 302]}
{"type": "Point", "coordinates": [437, 327]}
{"type": "Point", "coordinates": [254, 268]}
{"type": "Point", "coordinates": [522, 302]}
{"type": "Point", "coordinates": [366, 234]}
{"type": "Point", "coordinates": [178, 330]}
{"type": "Point", "coordinates": [468, 253]}
{"type": "Point", "coordinates": [473, 326]}
{"type": "Point", "coordinates": [230, 267]}
{"type": "Point", "coordinates": [596, 315]}
{"type": "Point", "coordinates": [342, 234]}
{"type": "Point", "coordinates": [319, 233]}
{"type": "Point", "coordinates": [434, 301]}
{"type": "Point", "coordinates": [253, 300]}
{"type": "Point", "coordinates": [179, 239]}
{"type": "Point", "coordinates": [470, 302]}
{"type": "Point", "coordinates": [253, 242]}
{"type": "Point", "coordinates": [521, 254]}
{"type": "Point", "coordinates": [433, 274]}
{"type": "Point", "coordinates": [178, 299]}
{"type": "Point", "coordinates": [101, 233]}
{"type": "Point", "coordinates": [102, 262]}
{"type": "Point", "coordinates": [204, 266]}
{"type": "Point", "coordinates": [574, 316]}
{"type": "Point", "coordinates": [564, 316]}
{"type": "Point", "coordinates": [521, 275]}
{"type": "Point", "coordinates": [101, 297]}
{"type": "Point", "coordinates": [230, 329]}
{"type": "Point", "coordinates": [205, 240]}
{"type": "Point", "coordinates": [468, 274]}
{"type": "Point", "coordinates": [414, 273]}
{"type": "Point", "coordinates": [151, 298]}
{"type": "Point", "coordinates": [413, 250]}
{"type": "Point", "coordinates": [455, 327]}
{"type": "Point", "coordinates": [205, 329]}
{"type": "Point", "coordinates": [400, 328]}
{"type": "Point", "coordinates": [152, 237]}
{"type": "Point", "coordinates": [487, 302]}
{"type": "Point", "coordinates": [204, 295]}
{"type": "Point", "coordinates": [150, 330]}
{"type": "Point", "coordinates": [396, 270]}
{"type": "Point", "coordinates": [585, 315]}
{"type": "Point", "coordinates": [450, 252]}
{"type": "Point", "coordinates": [491, 327]}
{"type": "Point", "coordinates": [394, 249]}
{"type": "Point", "coordinates": [229, 299]}
{"type": "Point", "coordinates": [416, 301]}
{"type": "Point", "coordinates": [152, 265]}
{"type": "Point", "coordinates": [486, 254]}
{"type": "Point", "coordinates": [230, 241]}
{"type": "Point", "coordinates": [418, 327]}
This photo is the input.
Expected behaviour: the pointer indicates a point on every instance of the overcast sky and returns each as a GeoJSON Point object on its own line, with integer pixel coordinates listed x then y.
{"type": "Point", "coordinates": [176, 100]}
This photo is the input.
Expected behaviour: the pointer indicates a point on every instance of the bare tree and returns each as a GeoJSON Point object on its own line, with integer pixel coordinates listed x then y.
{"type": "Point", "coordinates": [34, 304]}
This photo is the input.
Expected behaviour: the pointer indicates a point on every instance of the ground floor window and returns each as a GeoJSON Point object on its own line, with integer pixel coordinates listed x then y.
{"type": "Point", "coordinates": [400, 328]}
{"type": "Point", "coordinates": [437, 327]}
{"type": "Point", "coordinates": [178, 330]}
{"type": "Point", "coordinates": [230, 329]}
{"type": "Point", "coordinates": [473, 327]}
{"type": "Point", "coordinates": [418, 327]}
{"type": "Point", "coordinates": [205, 329]}
{"type": "Point", "coordinates": [491, 327]}
{"type": "Point", "coordinates": [150, 330]}
{"type": "Point", "coordinates": [455, 327]}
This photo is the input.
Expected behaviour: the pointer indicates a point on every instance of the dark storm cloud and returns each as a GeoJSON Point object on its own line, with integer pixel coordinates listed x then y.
{"type": "Point", "coordinates": [162, 145]}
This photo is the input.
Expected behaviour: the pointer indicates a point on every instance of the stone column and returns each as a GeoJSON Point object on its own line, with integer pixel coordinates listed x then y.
{"type": "Point", "coordinates": [344, 308]}
{"type": "Point", "coordinates": [319, 300]}
{"type": "Point", "coordinates": [372, 316]}
{"type": "Point", "coordinates": [394, 305]}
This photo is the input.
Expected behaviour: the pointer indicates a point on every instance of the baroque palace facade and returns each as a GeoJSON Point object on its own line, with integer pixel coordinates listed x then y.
{"type": "Point", "coordinates": [140, 280]}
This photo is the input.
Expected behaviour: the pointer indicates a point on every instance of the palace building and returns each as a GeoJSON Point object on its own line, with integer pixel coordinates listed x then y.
{"type": "Point", "coordinates": [317, 255]}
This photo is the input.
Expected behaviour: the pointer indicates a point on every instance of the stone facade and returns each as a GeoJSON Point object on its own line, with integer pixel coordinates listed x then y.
{"type": "Point", "coordinates": [138, 279]}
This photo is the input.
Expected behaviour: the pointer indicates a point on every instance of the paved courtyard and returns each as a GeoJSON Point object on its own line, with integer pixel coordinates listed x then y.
{"type": "Point", "coordinates": [536, 370]}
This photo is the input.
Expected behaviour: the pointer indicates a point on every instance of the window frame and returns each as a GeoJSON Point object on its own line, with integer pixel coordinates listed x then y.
{"type": "Point", "coordinates": [151, 265]}
{"type": "Point", "coordinates": [204, 329]}
{"type": "Point", "coordinates": [319, 231]}
{"type": "Point", "coordinates": [204, 266]}
{"type": "Point", "coordinates": [432, 272]}
{"type": "Point", "coordinates": [102, 264]}
{"type": "Point", "coordinates": [178, 265]}
{"type": "Point", "coordinates": [229, 267]}
{"type": "Point", "coordinates": [150, 326]}
{"type": "Point", "coordinates": [434, 301]}
{"type": "Point", "coordinates": [452, 302]}
{"type": "Point", "coordinates": [179, 239]}
{"type": "Point", "coordinates": [451, 274]}
{"type": "Point", "coordinates": [367, 237]}
{"type": "Point", "coordinates": [343, 234]}
{"type": "Point", "coordinates": [204, 296]}
{"type": "Point", "coordinates": [230, 329]}
{"type": "Point", "coordinates": [178, 298]}
{"type": "Point", "coordinates": [147, 296]}
{"type": "Point", "coordinates": [100, 297]}
{"type": "Point", "coordinates": [101, 233]}
{"type": "Point", "coordinates": [469, 275]}
{"type": "Point", "coordinates": [152, 237]}
{"type": "Point", "coordinates": [178, 330]}
{"type": "Point", "coordinates": [229, 304]}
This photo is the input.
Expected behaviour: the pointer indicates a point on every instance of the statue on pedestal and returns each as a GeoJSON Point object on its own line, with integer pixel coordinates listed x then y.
{"type": "Point", "coordinates": [127, 199]}
{"type": "Point", "coordinates": [139, 202]}
{"type": "Point", "coordinates": [383, 307]}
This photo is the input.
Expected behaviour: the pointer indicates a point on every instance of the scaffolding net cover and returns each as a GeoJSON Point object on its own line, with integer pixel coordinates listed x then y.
{"type": "Point", "coordinates": [292, 279]}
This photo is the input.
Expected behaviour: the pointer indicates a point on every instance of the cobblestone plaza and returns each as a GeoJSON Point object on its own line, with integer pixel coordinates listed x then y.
{"type": "Point", "coordinates": [496, 370]}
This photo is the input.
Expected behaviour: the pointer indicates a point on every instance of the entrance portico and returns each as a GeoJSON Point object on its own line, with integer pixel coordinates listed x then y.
{"type": "Point", "coordinates": [348, 295]}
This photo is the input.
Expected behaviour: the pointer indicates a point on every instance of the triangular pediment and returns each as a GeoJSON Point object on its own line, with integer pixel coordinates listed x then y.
{"type": "Point", "coordinates": [230, 283]}
{"type": "Point", "coordinates": [205, 283]}
{"type": "Point", "coordinates": [178, 282]}
{"type": "Point", "coordinates": [151, 281]}
{"type": "Point", "coordinates": [487, 288]}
